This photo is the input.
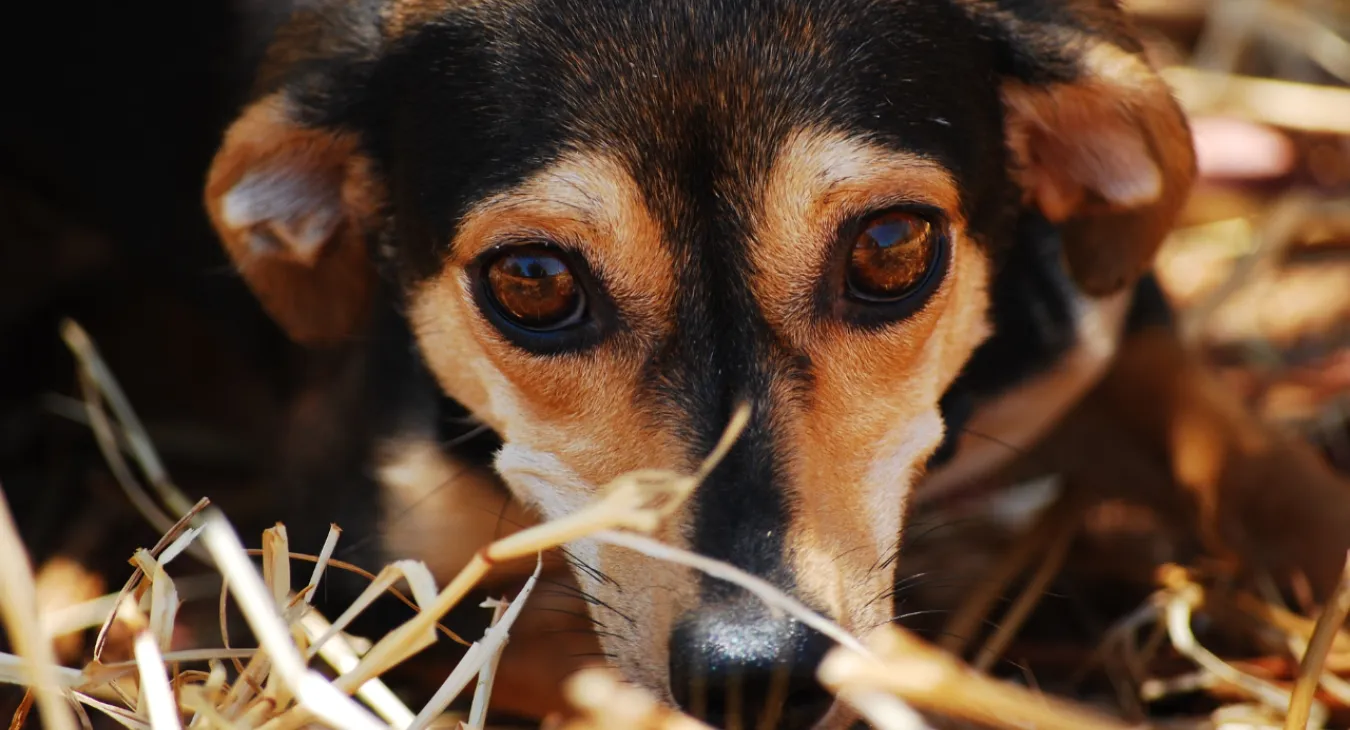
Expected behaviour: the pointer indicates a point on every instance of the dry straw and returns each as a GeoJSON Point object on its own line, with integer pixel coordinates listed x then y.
{"type": "Point", "coordinates": [275, 687]}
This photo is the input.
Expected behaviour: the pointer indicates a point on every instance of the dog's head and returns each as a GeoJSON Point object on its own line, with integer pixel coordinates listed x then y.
{"type": "Point", "coordinates": [609, 222]}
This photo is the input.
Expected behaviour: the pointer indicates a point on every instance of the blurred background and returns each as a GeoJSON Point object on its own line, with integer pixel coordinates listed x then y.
{"type": "Point", "coordinates": [1260, 264]}
{"type": "Point", "coordinates": [112, 112]}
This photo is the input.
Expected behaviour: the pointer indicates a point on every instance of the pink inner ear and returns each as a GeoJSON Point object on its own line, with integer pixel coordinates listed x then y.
{"type": "Point", "coordinates": [1117, 164]}
{"type": "Point", "coordinates": [287, 213]}
{"type": "Point", "coordinates": [1110, 160]}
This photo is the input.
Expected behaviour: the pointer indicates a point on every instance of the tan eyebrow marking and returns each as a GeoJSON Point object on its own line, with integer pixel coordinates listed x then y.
{"type": "Point", "coordinates": [587, 201]}
{"type": "Point", "coordinates": [820, 177]}
{"type": "Point", "coordinates": [406, 16]}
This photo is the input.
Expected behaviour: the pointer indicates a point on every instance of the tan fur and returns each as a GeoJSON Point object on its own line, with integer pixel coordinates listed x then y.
{"type": "Point", "coordinates": [572, 423]}
{"type": "Point", "coordinates": [852, 463]}
{"type": "Point", "coordinates": [822, 178]}
{"type": "Point", "coordinates": [402, 17]}
{"type": "Point", "coordinates": [571, 406]}
{"type": "Point", "coordinates": [318, 294]}
{"type": "Point", "coordinates": [1110, 156]}
{"type": "Point", "coordinates": [441, 511]}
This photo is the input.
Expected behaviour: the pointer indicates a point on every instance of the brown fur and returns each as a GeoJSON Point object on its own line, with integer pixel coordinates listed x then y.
{"type": "Point", "coordinates": [1162, 430]}
{"type": "Point", "coordinates": [1110, 157]}
{"type": "Point", "coordinates": [1107, 155]}
{"type": "Point", "coordinates": [319, 299]}
{"type": "Point", "coordinates": [819, 180]}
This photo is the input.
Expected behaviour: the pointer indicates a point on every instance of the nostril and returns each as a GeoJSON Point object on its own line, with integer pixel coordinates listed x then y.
{"type": "Point", "coordinates": [748, 674]}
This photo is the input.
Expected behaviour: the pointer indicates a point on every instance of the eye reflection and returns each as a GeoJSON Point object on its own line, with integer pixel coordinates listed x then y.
{"type": "Point", "coordinates": [891, 257]}
{"type": "Point", "coordinates": [534, 287]}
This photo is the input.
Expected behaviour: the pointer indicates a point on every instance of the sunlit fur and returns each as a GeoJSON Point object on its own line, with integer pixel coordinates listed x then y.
{"type": "Point", "coordinates": [705, 159]}
{"type": "Point", "coordinates": [572, 424]}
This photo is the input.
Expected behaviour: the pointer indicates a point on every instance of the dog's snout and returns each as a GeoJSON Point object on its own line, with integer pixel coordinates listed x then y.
{"type": "Point", "coordinates": [735, 669]}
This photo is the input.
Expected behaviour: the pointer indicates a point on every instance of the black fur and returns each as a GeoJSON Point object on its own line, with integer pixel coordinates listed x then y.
{"type": "Point", "coordinates": [694, 97]}
{"type": "Point", "coordinates": [474, 103]}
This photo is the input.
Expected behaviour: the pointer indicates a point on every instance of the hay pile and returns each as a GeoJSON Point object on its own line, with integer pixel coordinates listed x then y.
{"type": "Point", "coordinates": [274, 685]}
{"type": "Point", "coordinates": [278, 684]}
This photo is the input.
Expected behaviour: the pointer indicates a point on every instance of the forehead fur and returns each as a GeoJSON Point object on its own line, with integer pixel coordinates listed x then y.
{"type": "Point", "coordinates": [479, 96]}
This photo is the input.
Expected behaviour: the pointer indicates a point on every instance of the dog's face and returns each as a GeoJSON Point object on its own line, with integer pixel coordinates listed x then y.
{"type": "Point", "coordinates": [611, 222]}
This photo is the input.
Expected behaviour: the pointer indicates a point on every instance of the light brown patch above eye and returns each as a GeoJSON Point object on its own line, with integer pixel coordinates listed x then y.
{"type": "Point", "coordinates": [535, 288]}
{"type": "Point", "coordinates": [820, 180]}
{"type": "Point", "coordinates": [891, 256]}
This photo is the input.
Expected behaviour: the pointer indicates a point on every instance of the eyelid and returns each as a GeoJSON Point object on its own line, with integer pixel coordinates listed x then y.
{"type": "Point", "coordinates": [527, 237]}
{"type": "Point", "coordinates": [846, 205]}
{"type": "Point", "coordinates": [849, 227]}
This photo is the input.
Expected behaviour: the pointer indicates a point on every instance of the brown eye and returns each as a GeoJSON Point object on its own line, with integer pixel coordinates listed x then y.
{"type": "Point", "coordinates": [534, 288]}
{"type": "Point", "coordinates": [891, 257]}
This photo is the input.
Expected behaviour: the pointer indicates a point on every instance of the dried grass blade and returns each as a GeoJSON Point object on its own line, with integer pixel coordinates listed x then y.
{"type": "Point", "coordinates": [482, 694]}
{"type": "Point", "coordinates": [18, 609]}
{"type": "Point", "coordinates": [277, 563]}
{"type": "Point", "coordinates": [80, 616]}
{"type": "Point", "coordinates": [928, 677]}
{"type": "Point", "coordinates": [21, 714]}
{"type": "Point", "coordinates": [1051, 562]}
{"type": "Point", "coordinates": [885, 712]}
{"type": "Point", "coordinates": [326, 554]}
{"type": "Point", "coordinates": [185, 655]}
{"type": "Point", "coordinates": [965, 622]}
{"type": "Point", "coordinates": [1178, 622]}
{"type": "Point", "coordinates": [341, 656]}
{"type": "Point", "coordinates": [123, 717]}
{"type": "Point", "coordinates": [420, 581]}
{"type": "Point", "coordinates": [91, 362]}
{"type": "Point", "coordinates": [165, 541]}
{"type": "Point", "coordinates": [479, 655]}
{"type": "Point", "coordinates": [204, 712]}
{"type": "Point", "coordinates": [163, 599]}
{"type": "Point", "coordinates": [160, 704]}
{"type": "Point", "coordinates": [313, 691]}
{"type": "Point", "coordinates": [276, 576]}
{"type": "Point", "coordinates": [1310, 669]}
{"type": "Point", "coordinates": [762, 589]}
{"type": "Point", "coordinates": [14, 670]}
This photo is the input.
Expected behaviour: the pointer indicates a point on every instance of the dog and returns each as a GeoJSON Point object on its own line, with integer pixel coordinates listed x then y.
{"type": "Point", "coordinates": [571, 238]}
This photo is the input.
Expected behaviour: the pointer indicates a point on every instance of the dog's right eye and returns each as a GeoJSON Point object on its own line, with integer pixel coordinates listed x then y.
{"type": "Point", "coordinates": [891, 257]}
{"type": "Point", "coordinates": [887, 264]}
{"type": "Point", "coordinates": [533, 287]}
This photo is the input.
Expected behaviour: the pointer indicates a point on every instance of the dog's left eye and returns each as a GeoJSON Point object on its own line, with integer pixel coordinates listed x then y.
{"type": "Point", "coordinates": [891, 256]}
{"type": "Point", "coordinates": [534, 288]}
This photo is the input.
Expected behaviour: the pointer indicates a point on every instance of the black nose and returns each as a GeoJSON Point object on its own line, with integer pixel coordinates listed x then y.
{"type": "Point", "coordinates": [743, 670]}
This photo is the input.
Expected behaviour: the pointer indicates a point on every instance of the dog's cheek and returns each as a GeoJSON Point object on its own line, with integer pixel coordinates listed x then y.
{"type": "Point", "coordinates": [443, 325]}
{"type": "Point", "coordinates": [857, 465]}
{"type": "Point", "coordinates": [441, 511]}
{"type": "Point", "coordinates": [542, 480]}
{"type": "Point", "coordinates": [892, 473]}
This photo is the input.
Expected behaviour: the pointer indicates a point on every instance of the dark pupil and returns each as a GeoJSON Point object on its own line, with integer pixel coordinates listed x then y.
{"type": "Point", "coordinates": [891, 256]}
{"type": "Point", "coordinates": [534, 289]}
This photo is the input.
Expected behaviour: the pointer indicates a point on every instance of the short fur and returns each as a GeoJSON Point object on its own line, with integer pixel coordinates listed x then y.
{"type": "Point", "coordinates": [701, 158]}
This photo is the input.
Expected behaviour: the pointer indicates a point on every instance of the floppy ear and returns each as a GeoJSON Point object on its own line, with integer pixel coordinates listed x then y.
{"type": "Point", "coordinates": [293, 205]}
{"type": "Point", "coordinates": [1099, 144]}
